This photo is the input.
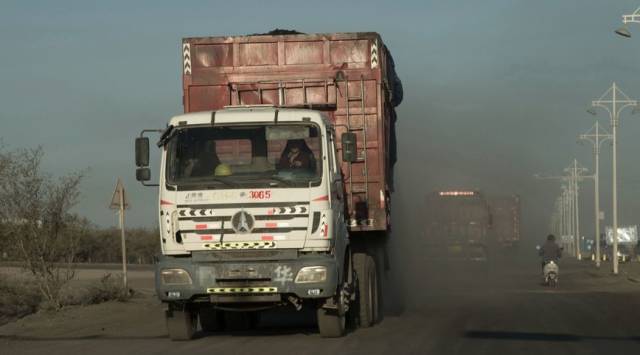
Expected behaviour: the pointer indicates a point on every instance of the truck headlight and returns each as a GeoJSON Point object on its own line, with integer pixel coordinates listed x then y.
{"type": "Point", "coordinates": [311, 274]}
{"type": "Point", "coordinates": [175, 277]}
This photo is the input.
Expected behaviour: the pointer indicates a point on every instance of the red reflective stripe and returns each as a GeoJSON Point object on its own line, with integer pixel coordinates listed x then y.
{"type": "Point", "coordinates": [165, 202]}
{"type": "Point", "coordinates": [267, 237]}
{"type": "Point", "coordinates": [201, 226]}
{"type": "Point", "coordinates": [322, 198]}
{"type": "Point", "coordinates": [326, 230]}
{"type": "Point", "coordinates": [271, 225]}
{"type": "Point", "coordinates": [206, 237]}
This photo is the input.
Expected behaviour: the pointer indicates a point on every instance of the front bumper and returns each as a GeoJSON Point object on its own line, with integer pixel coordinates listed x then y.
{"type": "Point", "coordinates": [239, 281]}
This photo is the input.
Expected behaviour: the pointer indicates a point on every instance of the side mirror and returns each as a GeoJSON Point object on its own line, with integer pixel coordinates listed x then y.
{"type": "Point", "coordinates": [349, 147]}
{"type": "Point", "coordinates": [143, 174]}
{"type": "Point", "coordinates": [142, 152]}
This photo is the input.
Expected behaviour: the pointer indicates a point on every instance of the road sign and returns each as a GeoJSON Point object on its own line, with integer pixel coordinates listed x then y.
{"type": "Point", "coordinates": [115, 199]}
{"type": "Point", "coordinates": [119, 202]}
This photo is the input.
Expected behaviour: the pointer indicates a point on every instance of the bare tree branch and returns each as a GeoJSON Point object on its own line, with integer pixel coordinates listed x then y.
{"type": "Point", "coordinates": [36, 211]}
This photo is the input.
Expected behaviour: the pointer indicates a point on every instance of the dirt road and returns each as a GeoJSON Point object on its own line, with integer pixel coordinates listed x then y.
{"type": "Point", "coordinates": [590, 313]}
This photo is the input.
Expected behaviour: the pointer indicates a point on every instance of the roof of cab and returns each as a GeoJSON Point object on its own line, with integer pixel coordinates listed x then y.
{"type": "Point", "coordinates": [234, 114]}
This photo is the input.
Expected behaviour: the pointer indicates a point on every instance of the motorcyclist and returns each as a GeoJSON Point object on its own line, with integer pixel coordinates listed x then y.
{"type": "Point", "coordinates": [550, 251]}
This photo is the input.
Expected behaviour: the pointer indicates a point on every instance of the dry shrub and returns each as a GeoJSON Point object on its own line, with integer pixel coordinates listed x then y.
{"type": "Point", "coordinates": [109, 288]}
{"type": "Point", "coordinates": [18, 297]}
{"type": "Point", "coordinates": [35, 211]}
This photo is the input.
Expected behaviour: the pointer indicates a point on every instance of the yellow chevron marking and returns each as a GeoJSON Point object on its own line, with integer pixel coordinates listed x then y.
{"type": "Point", "coordinates": [240, 245]}
{"type": "Point", "coordinates": [242, 290]}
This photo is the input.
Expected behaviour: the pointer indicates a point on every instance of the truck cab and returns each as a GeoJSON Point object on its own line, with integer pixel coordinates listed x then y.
{"type": "Point", "coordinates": [251, 216]}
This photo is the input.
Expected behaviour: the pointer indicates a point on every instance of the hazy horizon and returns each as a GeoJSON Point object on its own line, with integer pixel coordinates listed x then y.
{"type": "Point", "coordinates": [493, 93]}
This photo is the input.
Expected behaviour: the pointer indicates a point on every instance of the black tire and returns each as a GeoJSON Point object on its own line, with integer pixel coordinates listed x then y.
{"type": "Point", "coordinates": [211, 320]}
{"type": "Point", "coordinates": [331, 324]}
{"type": "Point", "coordinates": [181, 323]}
{"type": "Point", "coordinates": [368, 308]}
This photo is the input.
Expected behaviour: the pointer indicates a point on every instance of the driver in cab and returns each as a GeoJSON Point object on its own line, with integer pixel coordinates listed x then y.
{"type": "Point", "coordinates": [206, 162]}
{"type": "Point", "coordinates": [297, 155]}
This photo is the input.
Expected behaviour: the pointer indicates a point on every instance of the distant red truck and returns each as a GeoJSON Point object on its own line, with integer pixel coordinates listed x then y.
{"type": "Point", "coordinates": [457, 226]}
{"type": "Point", "coordinates": [505, 214]}
{"type": "Point", "coordinates": [468, 225]}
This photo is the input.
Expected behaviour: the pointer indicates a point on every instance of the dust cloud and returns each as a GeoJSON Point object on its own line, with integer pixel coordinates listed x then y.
{"type": "Point", "coordinates": [414, 282]}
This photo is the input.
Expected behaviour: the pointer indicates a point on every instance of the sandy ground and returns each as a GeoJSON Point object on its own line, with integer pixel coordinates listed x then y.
{"type": "Point", "coordinates": [590, 313]}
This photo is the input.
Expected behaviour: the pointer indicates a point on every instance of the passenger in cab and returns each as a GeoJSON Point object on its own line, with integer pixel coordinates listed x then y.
{"type": "Point", "coordinates": [297, 155]}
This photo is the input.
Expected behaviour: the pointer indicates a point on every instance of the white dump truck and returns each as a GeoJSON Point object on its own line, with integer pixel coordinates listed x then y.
{"type": "Point", "coordinates": [274, 185]}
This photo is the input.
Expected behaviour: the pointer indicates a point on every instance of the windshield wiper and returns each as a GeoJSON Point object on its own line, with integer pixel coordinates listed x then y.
{"type": "Point", "coordinates": [205, 183]}
{"type": "Point", "coordinates": [166, 135]}
{"type": "Point", "coordinates": [228, 183]}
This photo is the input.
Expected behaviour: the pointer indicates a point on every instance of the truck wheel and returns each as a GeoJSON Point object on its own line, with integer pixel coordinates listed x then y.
{"type": "Point", "coordinates": [211, 320]}
{"type": "Point", "coordinates": [368, 308]}
{"type": "Point", "coordinates": [330, 323]}
{"type": "Point", "coordinates": [181, 323]}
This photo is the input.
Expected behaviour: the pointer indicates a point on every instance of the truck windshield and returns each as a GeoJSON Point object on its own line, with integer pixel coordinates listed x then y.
{"type": "Point", "coordinates": [284, 155]}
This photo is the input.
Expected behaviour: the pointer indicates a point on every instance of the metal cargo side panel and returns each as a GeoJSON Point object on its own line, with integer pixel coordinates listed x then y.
{"type": "Point", "coordinates": [316, 71]}
{"type": "Point", "coordinates": [364, 184]}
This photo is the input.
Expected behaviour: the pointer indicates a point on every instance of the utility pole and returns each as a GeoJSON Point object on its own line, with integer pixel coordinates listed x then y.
{"type": "Point", "coordinates": [596, 138]}
{"type": "Point", "coordinates": [571, 208]}
{"type": "Point", "coordinates": [568, 200]}
{"type": "Point", "coordinates": [562, 225]}
{"type": "Point", "coordinates": [565, 211]}
{"type": "Point", "coordinates": [555, 223]}
{"type": "Point", "coordinates": [565, 221]}
{"type": "Point", "coordinates": [575, 175]}
{"type": "Point", "coordinates": [614, 101]}
{"type": "Point", "coordinates": [558, 216]}
{"type": "Point", "coordinates": [628, 18]}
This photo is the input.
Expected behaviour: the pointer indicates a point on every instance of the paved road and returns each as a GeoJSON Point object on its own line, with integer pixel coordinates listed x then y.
{"type": "Point", "coordinates": [590, 313]}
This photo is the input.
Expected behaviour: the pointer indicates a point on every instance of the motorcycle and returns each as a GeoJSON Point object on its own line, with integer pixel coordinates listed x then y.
{"type": "Point", "coordinates": [550, 271]}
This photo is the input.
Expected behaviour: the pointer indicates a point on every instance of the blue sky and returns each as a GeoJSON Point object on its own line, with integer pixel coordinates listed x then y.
{"type": "Point", "coordinates": [495, 91]}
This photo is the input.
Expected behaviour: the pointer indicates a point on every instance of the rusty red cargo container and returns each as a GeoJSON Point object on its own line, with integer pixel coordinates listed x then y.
{"type": "Point", "coordinates": [349, 76]}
